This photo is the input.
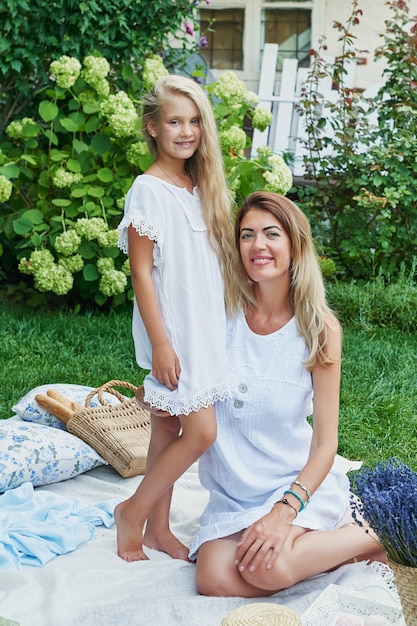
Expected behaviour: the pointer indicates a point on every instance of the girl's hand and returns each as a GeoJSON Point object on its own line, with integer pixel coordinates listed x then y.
{"type": "Point", "coordinates": [166, 366]}
{"type": "Point", "coordinates": [262, 542]}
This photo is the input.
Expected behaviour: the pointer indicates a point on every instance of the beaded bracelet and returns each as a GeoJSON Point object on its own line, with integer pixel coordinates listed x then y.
{"type": "Point", "coordinates": [285, 501]}
{"type": "Point", "coordinates": [299, 498]}
{"type": "Point", "coordinates": [307, 491]}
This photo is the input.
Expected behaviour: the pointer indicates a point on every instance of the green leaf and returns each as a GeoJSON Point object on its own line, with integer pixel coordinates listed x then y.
{"type": "Point", "coordinates": [36, 240]}
{"type": "Point", "coordinates": [22, 226]}
{"type": "Point", "coordinates": [96, 192]}
{"type": "Point", "coordinates": [44, 180]}
{"type": "Point", "coordinates": [48, 110]}
{"type": "Point", "coordinates": [90, 272]}
{"type": "Point", "coordinates": [92, 124]}
{"type": "Point", "coordinates": [58, 155]}
{"type": "Point", "coordinates": [49, 134]}
{"type": "Point", "coordinates": [79, 146]}
{"type": "Point", "coordinates": [105, 175]}
{"type": "Point", "coordinates": [61, 202]}
{"type": "Point", "coordinates": [35, 216]}
{"type": "Point", "coordinates": [91, 107]}
{"type": "Point", "coordinates": [123, 170]}
{"type": "Point", "coordinates": [87, 249]}
{"type": "Point", "coordinates": [101, 144]}
{"type": "Point", "coordinates": [73, 165]}
{"type": "Point", "coordinates": [69, 125]}
{"type": "Point", "coordinates": [100, 298]}
{"type": "Point", "coordinates": [28, 158]}
{"type": "Point", "coordinates": [79, 192]}
{"type": "Point", "coordinates": [10, 170]}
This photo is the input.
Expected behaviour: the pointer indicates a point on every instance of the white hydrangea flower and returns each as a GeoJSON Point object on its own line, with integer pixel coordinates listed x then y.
{"type": "Point", "coordinates": [90, 228]}
{"type": "Point", "coordinates": [153, 69]}
{"type": "Point", "coordinates": [126, 267]}
{"type": "Point", "coordinates": [120, 202]}
{"type": "Point", "coordinates": [38, 259]}
{"type": "Point", "coordinates": [108, 239]}
{"type": "Point", "coordinates": [6, 188]}
{"type": "Point", "coordinates": [135, 151]}
{"type": "Point", "coordinates": [252, 99]}
{"type": "Point", "coordinates": [48, 276]}
{"type": "Point", "coordinates": [72, 264]}
{"type": "Point", "coordinates": [233, 140]}
{"type": "Point", "coordinates": [63, 178]}
{"type": "Point", "coordinates": [230, 89]}
{"type": "Point", "coordinates": [113, 282]}
{"type": "Point", "coordinates": [264, 151]}
{"type": "Point", "coordinates": [65, 71]}
{"type": "Point", "coordinates": [62, 280]}
{"type": "Point", "coordinates": [67, 243]}
{"type": "Point", "coordinates": [16, 128]}
{"type": "Point", "coordinates": [120, 113]}
{"type": "Point", "coordinates": [261, 118]}
{"type": "Point", "coordinates": [44, 278]}
{"type": "Point", "coordinates": [279, 179]}
{"type": "Point", "coordinates": [105, 265]}
{"type": "Point", "coordinates": [94, 73]}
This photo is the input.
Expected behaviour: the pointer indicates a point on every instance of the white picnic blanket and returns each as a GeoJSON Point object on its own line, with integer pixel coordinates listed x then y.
{"type": "Point", "coordinates": [92, 586]}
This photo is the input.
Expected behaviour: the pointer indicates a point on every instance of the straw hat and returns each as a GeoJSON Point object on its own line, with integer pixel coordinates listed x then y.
{"type": "Point", "coordinates": [262, 614]}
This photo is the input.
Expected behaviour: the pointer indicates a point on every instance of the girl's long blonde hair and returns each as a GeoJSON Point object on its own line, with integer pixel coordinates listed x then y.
{"type": "Point", "coordinates": [206, 169]}
{"type": "Point", "coordinates": [307, 292]}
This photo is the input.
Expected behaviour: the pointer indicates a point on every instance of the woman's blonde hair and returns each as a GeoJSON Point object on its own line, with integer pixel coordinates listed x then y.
{"type": "Point", "coordinates": [206, 169]}
{"type": "Point", "coordinates": [307, 291]}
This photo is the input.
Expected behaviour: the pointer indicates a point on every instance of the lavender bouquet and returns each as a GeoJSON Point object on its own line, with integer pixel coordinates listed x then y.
{"type": "Point", "coordinates": [388, 504]}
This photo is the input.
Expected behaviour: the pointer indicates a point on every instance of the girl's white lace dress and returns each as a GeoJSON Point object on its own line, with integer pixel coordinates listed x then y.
{"type": "Point", "coordinates": [190, 292]}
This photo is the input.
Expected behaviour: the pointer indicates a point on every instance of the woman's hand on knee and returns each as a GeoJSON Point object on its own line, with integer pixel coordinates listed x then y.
{"type": "Point", "coordinates": [260, 544]}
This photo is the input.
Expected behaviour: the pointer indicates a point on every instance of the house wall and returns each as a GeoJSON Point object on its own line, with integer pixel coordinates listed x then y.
{"type": "Point", "coordinates": [368, 32]}
{"type": "Point", "coordinates": [324, 13]}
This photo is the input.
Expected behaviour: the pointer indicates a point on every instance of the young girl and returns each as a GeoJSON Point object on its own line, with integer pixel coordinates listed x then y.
{"type": "Point", "coordinates": [177, 228]}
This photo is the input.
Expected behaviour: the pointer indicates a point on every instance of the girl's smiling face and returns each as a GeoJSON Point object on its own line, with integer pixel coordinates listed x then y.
{"type": "Point", "coordinates": [265, 247]}
{"type": "Point", "coordinates": [178, 130]}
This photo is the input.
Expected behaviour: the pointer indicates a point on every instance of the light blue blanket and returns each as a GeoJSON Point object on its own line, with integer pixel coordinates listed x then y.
{"type": "Point", "coordinates": [38, 525]}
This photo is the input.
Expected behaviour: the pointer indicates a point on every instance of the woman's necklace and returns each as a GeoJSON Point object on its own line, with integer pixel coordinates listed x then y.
{"type": "Point", "coordinates": [167, 175]}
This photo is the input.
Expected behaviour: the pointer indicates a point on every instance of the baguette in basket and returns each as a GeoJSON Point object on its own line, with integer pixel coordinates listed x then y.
{"type": "Point", "coordinates": [120, 433]}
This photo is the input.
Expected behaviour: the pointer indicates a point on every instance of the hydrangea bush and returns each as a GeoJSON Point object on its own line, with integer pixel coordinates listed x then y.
{"type": "Point", "coordinates": [65, 174]}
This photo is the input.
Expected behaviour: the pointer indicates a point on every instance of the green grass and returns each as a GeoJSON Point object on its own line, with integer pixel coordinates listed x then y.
{"type": "Point", "coordinates": [40, 347]}
{"type": "Point", "coordinates": [378, 417]}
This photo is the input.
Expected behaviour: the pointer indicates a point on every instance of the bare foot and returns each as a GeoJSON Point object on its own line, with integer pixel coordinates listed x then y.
{"type": "Point", "coordinates": [168, 543]}
{"type": "Point", "coordinates": [129, 534]}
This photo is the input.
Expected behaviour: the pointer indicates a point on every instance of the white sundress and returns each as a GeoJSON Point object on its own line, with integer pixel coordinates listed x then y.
{"type": "Point", "coordinates": [263, 437]}
{"type": "Point", "coordinates": [190, 293]}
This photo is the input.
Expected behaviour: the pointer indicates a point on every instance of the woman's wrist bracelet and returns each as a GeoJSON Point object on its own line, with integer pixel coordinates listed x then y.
{"type": "Point", "coordinates": [307, 491]}
{"type": "Point", "coordinates": [285, 501]}
{"type": "Point", "coordinates": [296, 495]}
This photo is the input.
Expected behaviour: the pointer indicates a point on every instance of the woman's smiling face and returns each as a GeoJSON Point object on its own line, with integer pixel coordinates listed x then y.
{"type": "Point", "coordinates": [265, 247]}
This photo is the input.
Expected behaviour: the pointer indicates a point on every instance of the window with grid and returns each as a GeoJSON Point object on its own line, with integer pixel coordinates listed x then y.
{"type": "Point", "coordinates": [224, 31]}
{"type": "Point", "coordinates": [291, 29]}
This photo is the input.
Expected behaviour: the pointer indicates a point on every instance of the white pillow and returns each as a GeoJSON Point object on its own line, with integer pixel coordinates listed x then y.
{"type": "Point", "coordinates": [29, 410]}
{"type": "Point", "coordinates": [41, 455]}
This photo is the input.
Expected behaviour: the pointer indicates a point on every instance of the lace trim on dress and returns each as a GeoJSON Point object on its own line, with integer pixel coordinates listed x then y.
{"type": "Point", "coordinates": [201, 400]}
{"type": "Point", "coordinates": [144, 229]}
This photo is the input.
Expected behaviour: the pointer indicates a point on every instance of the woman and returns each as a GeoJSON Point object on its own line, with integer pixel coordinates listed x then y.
{"type": "Point", "coordinates": [276, 503]}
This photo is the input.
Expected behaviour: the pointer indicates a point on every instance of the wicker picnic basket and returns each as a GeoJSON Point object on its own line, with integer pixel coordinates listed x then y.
{"type": "Point", "coordinates": [120, 433]}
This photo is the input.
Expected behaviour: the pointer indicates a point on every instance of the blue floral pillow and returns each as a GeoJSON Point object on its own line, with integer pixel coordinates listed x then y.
{"type": "Point", "coordinates": [29, 410]}
{"type": "Point", "coordinates": [41, 455]}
